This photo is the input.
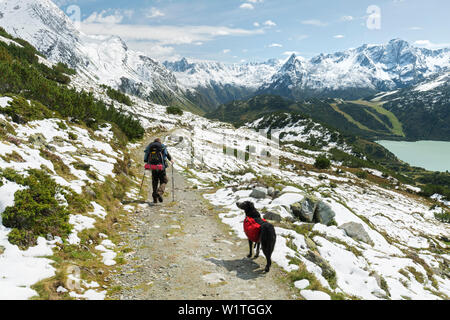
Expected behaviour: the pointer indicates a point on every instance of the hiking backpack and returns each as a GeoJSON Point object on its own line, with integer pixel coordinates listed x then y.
{"type": "Point", "coordinates": [155, 157]}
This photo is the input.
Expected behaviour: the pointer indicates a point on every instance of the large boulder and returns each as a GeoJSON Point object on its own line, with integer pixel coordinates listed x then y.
{"type": "Point", "coordinates": [304, 210]}
{"type": "Point", "coordinates": [356, 231]}
{"type": "Point", "coordinates": [272, 216]}
{"type": "Point", "coordinates": [324, 214]}
{"type": "Point", "coordinates": [259, 193]}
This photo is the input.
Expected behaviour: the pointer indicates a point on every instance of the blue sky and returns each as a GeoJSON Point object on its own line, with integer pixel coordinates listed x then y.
{"type": "Point", "coordinates": [257, 30]}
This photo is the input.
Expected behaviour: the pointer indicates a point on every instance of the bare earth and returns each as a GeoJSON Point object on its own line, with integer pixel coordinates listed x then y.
{"type": "Point", "coordinates": [182, 251]}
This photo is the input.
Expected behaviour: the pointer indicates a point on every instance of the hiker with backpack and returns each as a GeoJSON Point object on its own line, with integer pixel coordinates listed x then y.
{"type": "Point", "coordinates": [156, 156]}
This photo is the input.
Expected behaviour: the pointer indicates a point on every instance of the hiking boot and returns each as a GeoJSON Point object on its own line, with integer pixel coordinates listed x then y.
{"type": "Point", "coordinates": [160, 198]}
{"type": "Point", "coordinates": [155, 200]}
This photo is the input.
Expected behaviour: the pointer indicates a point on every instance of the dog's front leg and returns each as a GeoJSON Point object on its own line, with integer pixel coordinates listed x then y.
{"type": "Point", "coordinates": [250, 245]}
{"type": "Point", "coordinates": [258, 247]}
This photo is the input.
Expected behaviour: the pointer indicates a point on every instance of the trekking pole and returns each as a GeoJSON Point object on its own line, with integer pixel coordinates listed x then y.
{"type": "Point", "coordinates": [173, 186]}
{"type": "Point", "coordinates": [142, 183]}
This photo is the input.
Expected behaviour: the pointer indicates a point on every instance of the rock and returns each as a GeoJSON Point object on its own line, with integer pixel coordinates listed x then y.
{"type": "Point", "coordinates": [324, 214]}
{"type": "Point", "coordinates": [38, 140]}
{"type": "Point", "coordinates": [271, 191]}
{"type": "Point", "coordinates": [301, 284]}
{"type": "Point", "coordinates": [213, 278]}
{"type": "Point", "coordinates": [311, 244]}
{"type": "Point", "coordinates": [316, 258]}
{"type": "Point", "coordinates": [88, 190]}
{"type": "Point", "coordinates": [259, 193]}
{"type": "Point", "coordinates": [307, 209]}
{"type": "Point", "coordinates": [2, 249]}
{"type": "Point", "coordinates": [49, 237]}
{"type": "Point", "coordinates": [356, 231]}
{"type": "Point", "coordinates": [304, 210]}
{"type": "Point", "coordinates": [272, 216]}
{"type": "Point", "coordinates": [276, 194]}
{"type": "Point", "coordinates": [314, 295]}
{"type": "Point", "coordinates": [61, 289]}
{"type": "Point", "coordinates": [380, 294]}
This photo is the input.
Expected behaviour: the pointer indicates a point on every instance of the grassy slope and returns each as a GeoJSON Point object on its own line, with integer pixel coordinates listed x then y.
{"type": "Point", "coordinates": [397, 127]}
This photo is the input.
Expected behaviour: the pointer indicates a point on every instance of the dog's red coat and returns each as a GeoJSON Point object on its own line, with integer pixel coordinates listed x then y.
{"type": "Point", "coordinates": [252, 229]}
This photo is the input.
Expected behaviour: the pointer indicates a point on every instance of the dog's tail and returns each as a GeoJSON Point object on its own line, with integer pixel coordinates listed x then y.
{"type": "Point", "coordinates": [268, 239]}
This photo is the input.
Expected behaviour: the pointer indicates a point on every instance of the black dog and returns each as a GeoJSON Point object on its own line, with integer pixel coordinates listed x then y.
{"type": "Point", "coordinates": [267, 236]}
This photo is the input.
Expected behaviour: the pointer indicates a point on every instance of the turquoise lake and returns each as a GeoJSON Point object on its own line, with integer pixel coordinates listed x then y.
{"type": "Point", "coordinates": [431, 155]}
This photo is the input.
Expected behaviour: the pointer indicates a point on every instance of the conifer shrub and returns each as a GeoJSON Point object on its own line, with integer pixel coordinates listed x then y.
{"type": "Point", "coordinates": [322, 162]}
{"type": "Point", "coordinates": [174, 110]}
{"type": "Point", "coordinates": [36, 211]}
{"type": "Point", "coordinates": [22, 111]}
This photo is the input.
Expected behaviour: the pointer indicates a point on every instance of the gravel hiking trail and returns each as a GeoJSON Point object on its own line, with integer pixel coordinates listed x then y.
{"type": "Point", "coordinates": [182, 251]}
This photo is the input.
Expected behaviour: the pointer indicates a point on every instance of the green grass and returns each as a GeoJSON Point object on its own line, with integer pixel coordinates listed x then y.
{"type": "Point", "coordinates": [397, 127]}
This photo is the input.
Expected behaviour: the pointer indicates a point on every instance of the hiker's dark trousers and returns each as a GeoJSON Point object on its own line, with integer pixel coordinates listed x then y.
{"type": "Point", "coordinates": [159, 177]}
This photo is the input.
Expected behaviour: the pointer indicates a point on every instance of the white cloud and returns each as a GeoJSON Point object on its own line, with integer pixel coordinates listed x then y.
{"type": "Point", "coordinates": [248, 6]}
{"type": "Point", "coordinates": [103, 17]}
{"type": "Point", "coordinates": [154, 13]}
{"type": "Point", "coordinates": [155, 51]}
{"type": "Point", "coordinates": [275, 45]}
{"type": "Point", "coordinates": [339, 36]}
{"type": "Point", "coordinates": [430, 45]}
{"type": "Point", "coordinates": [166, 35]}
{"type": "Point", "coordinates": [256, 24]}
{"type": "Point", "coordinates": [270, 23]}
{"type": "Point", "coordinates": [315, 22]}
{"type": "Point", "coordinates": [226, 51]}
{"type": "Point", "coordinates": [347, 18]}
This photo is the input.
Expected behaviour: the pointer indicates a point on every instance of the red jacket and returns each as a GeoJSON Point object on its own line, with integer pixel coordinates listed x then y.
{"type": "Point", "coordinates": [252, 229]}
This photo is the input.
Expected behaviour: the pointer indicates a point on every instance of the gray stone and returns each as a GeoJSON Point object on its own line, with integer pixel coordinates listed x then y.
{"type": "Point", "coordinates": [316, 258]}
{"type": "Point", "coordinates": [38, 140]}
{"type": "Point", "coordinates": [356, 231]}
{"type": "Point", "coordinates": [304, 210]}
{"type": "Point", "coordinates": [272, 216]}
{"type": "Point", "coordinates": [311, 244]}
{"type": "Point", "coordinates": [324, 214]}
{"type": "Point", "coordinates": [271, 191]}
{"type": "Point", "coordinates": [90, 192]}
{"type": "Point", "coordinates": [276, 194]}
{"type": "Point", "coordinates": [49, 237]}
{"type": "Point", "coordinates": [259, 193]}
{"type": "Point", "coordinates": [214, 278]}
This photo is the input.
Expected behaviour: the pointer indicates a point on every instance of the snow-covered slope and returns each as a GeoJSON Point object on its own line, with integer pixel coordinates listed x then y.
{"type": "Point", "coordinates": [394, 65]}
{"type": "Point", "coordinates": [403, 256]}
{"type": "Point", "coordinates": [105, 59]}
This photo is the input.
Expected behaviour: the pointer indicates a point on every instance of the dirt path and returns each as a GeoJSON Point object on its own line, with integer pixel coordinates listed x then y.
{"type": "Point", "coordinates": [182, 251]}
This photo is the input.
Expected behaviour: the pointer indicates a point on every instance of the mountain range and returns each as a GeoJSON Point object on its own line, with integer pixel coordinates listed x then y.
{"type": "Point", "coordinates": [349, 74]}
